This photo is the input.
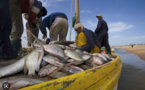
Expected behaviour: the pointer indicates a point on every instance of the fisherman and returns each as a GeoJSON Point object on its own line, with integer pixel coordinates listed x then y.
{"type": "Point", "coordinates": [6, 50]}
{"type": "Point", "coordinates": [102, 33]}
{"type": "Point", "coordinates": [17, 7]}
{"type": "Point", "coordinates": [34, 29]}
{"type": "Point", "coordinates": [86, 40]}
{"type": "Point", "coordinates": [57, 24]}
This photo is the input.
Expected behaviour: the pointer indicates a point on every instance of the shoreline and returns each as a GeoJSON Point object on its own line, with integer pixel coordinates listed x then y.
{"type": "Point", "coordinates": [138, 50]}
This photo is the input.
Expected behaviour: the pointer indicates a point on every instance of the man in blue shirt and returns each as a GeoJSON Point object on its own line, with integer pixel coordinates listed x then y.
{"type": "Point", "coordinates": [102, 33]}
{"type": "Point", "coordinates": [57, 24]}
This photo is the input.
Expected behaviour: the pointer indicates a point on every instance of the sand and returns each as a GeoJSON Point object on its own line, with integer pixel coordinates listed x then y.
{"type": "Point", "coordinates": [139, 50]}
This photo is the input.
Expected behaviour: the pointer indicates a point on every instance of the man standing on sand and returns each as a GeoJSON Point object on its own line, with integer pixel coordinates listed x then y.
{"type": "Point", "coordinates": [102, 33]}
{"type": "Point", "coordinates": [57, 24]}
{"type": "Point", "coordinates": [33, 8]}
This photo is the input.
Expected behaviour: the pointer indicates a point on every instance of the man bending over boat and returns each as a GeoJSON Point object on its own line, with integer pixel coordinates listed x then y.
{"type": "Point", "coordinates": [57, 24]}
{"type": "Point", "coordinates": [18, 7]}
{"type": "Point", "coordinates": [86, 40]}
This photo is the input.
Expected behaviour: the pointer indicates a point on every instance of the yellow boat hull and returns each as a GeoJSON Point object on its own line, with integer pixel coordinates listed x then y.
{"type": "Point", "coordinates": [104, 77]}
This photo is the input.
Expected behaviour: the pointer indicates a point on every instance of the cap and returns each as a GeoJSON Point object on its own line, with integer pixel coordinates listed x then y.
{"type": "Point", "coordinates": [99, 16]}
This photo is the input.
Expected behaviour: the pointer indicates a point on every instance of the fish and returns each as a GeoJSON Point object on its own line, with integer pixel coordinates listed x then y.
{"type": "Point", "coordinates": [18, 83]}
{"type": "Point", "coordinates": [54, 49]}
{"type": "Point", "coordinates": [12, 68]}
{"type": "Point", "coordinates": [86, 57]}
{"type": "Point", "coordinates": [33, 60]}
{"type": "Point", "coordinates": [58, 74]}
{"type": "Point", "coordinates": [99, 55]}
{"type": "Point", "coordinates": [72, 69]}
{"type": "Point", "coordinates": [38, 43]}
{"type": "Point", "coordinates": [85, 67]}
{"type": "Point", "coordinates": [96, 61]}
{"type": "Point", "coordinates": [48, 69]}
{"type": "Point", "coordinates": [53, 60]}
{"type": "Point", "coordinates": [75, 63]}
{"type": "Point", "coordinates": [74, 55]}
{"type": "Point", "coordinates": [106, 56]}
{"type": "Point", "coordinates": [79, 51]}
{"type": "Point", "coordinates": [43, 63]}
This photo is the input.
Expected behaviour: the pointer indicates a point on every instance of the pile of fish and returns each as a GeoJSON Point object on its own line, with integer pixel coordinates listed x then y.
{"type": "Point", "coordinates": [55, 60]}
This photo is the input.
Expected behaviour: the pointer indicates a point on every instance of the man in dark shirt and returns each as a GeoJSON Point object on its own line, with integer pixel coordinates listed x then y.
{"type": "Point", "coordinates": [102, 33]}
{"type": "Point", "coordinates": [86, 40]}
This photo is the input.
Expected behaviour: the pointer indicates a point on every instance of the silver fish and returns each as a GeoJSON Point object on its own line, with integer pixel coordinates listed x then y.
{"type": "Point", "coordinates": [74, 55]}
{"type": "Point", "coordinates": [99, 55]}
{"type": "Point", "coordinates": [58, 74]}
{"type": "Point", "coordinates": [106, 56]}
{"type": "Point", "coordinates": [33, 60]}
{"type": "Point", "coordinates": [54, 49]}
{"type": "Point", "coordinates": [72, 69]}
{"type": "Point", "coordinates": [79, 51]}
{"type": "Point", "coordinates": [85, 67]}
{"type": "Point", "coordinates": [12, 68]}
{"type": "Point", "coordinates": [52, 60]}
{"type": "Point", "coordinates": [45, 71]}
{"type": "Point", "coordinates": [86, 57]}
{"type": "Point", "coordinates": [96, 61]}
{"type": "Point", "coordinates": [43, 63]}
{"type": "Point", "coordinates": [38, 43]}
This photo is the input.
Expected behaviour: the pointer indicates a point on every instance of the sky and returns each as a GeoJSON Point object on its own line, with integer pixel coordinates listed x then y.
{"type": "Point", "coordinates": [125, 18]}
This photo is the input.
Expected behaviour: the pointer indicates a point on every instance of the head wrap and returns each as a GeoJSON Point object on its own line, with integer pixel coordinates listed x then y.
{"type": "Point", "coordinates": [79, 25]}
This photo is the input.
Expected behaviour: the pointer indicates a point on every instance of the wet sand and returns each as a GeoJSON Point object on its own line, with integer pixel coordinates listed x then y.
{"type": "Point", "coordinates": [139, 50]}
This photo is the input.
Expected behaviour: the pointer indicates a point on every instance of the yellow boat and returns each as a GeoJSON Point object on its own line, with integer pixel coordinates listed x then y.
{"type": "Point", "coordinates": [104, 77]}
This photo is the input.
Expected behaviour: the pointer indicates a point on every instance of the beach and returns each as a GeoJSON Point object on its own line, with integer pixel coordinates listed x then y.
{"type": "Point", "coordinates": [138, 50]}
